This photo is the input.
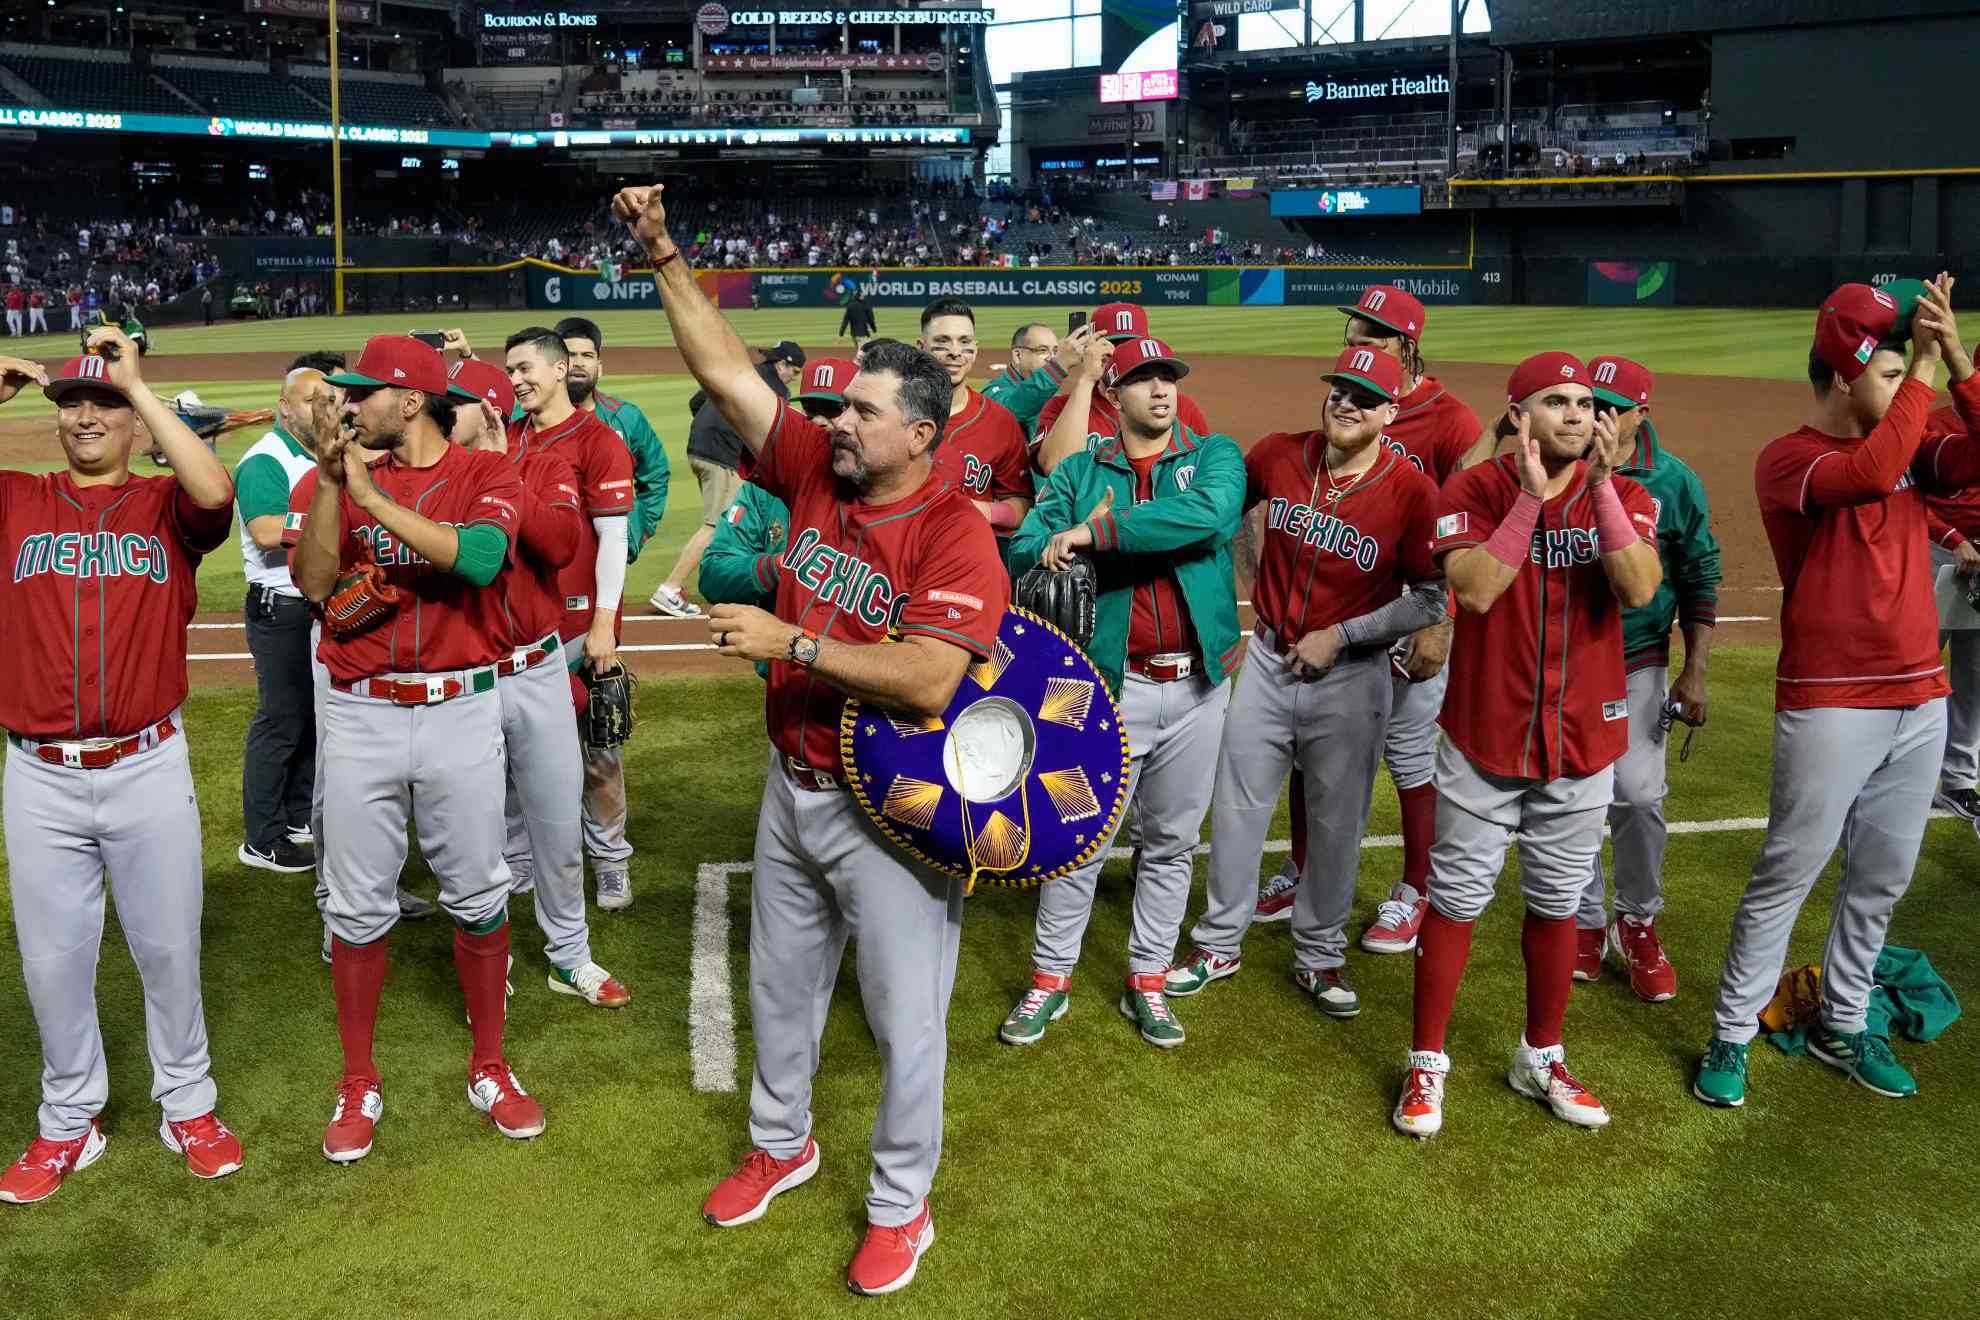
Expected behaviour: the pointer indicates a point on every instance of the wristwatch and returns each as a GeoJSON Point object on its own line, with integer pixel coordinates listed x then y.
{"type": "Point", "coordinates": [804, 647]}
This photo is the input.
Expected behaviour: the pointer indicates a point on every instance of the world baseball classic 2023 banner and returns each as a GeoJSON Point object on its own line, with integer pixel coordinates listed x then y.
{"type": "Point", "coordinates": [1211, 286]}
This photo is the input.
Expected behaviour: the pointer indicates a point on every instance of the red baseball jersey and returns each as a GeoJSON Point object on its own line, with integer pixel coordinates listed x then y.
{"type": "Point", "coordinates": [604, 469]}
{"type": "Point", "coordinates": [1103, 419]}
{"type": "Point", "coordinates": [1543, 694]}
{"type": "Point", "coordinates": [37, 299]}
{"type": "Point", "coordinates": [97, 601]}
{"type": "Point", "coordinates": [545, 544]}
{"type": "Point", "coordinates": [444, 622]}
{"type": "Point", "coordinates": [1846, 519]}
{"type": "Point", "coordinates": [1433, 428]}
{"type": "Point", "coordinates": [14, 300]}
{"type": "Point", "coordinates": [859, 573]}
{"type": "Point", "coordinates": [1157, 623]}
{"type": "Point", "coordinates": [1954, 515]}
{"type": "Point", "coordinates": [1334, 550]}
{"type": "Point", "coordinates": [983, 452]}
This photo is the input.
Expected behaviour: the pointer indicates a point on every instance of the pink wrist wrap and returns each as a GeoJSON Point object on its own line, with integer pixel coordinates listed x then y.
{"type": "Point", "coordinates": [1612, 525]}
{"type": "Point", "coordinates": [1512, 541]}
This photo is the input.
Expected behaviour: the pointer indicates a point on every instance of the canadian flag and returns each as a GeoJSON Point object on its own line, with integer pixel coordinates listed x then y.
{"type": "Point", "coordinates": [1197, 190]}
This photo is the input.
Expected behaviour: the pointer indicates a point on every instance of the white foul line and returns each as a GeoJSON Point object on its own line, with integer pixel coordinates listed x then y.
{"type": "Point", "coordinates": [711, 1008]}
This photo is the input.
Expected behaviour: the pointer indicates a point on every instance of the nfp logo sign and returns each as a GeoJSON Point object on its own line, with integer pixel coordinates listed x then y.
{"type": "Point", "coordinates": [1334, 203]}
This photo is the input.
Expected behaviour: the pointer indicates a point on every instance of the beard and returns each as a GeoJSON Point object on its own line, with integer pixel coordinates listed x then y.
{"type": "Point", "coordinates": [579, 388]}
{"type": "Point", "coordinates": [854, 471]}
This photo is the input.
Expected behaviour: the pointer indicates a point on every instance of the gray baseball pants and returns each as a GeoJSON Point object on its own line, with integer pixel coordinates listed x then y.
{"type": "Point", "coordinates": [1637, 832]}
{"type": "Point", "coordinates": [65, 827]}
{"type": "Point", "coordinates": [824, 873]}
{"type": "Point", "coordinates": [1558, 821]}
{"type": "Point", "coordinates": [1410, 746]}
{"type": "Point", "coordinates": [1333, 727]}
{"type": "Point", "coordinates": [1863, 778]}
{"type": "Point", "coordinates": [1961, 766]}
{"type": "Point", "coordinates": [545, 779]}
{"type": "Point", "coordinates": [1173, 730]}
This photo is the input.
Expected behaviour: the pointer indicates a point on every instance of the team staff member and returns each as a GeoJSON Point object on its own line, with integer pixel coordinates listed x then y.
{"type": "Point", "coordinates": [1079, 416]}
{"type": "Point", "coordinates": [864, 507]}
{"type": "Point", "coordinates": [592, 581]}
{"type": "Point", "coordinates": [278, 769]}
{"type": "Point", "coordinates": [982, 449]}
{"type": "Point", "coordinates": [1544, 550]}
{"type": "Point", "coordinates": [1344, 572]}
{"type": "Point", "coordinates": [1040, 362]}
{"type": "Point", "coordinates": [1859, 694]}
{"type": "Point", "coordinates": [412, 725]}
{"type": "Point", "coordinates": [98, 777]}
{"type": "Point", "coordinates": [1165, 637]}
{"type": "Point", "coordinates": [858, 320]}
{"type": "Point", "coordinates": [714, 453]}
{"type": "Point", "coordinates": [1690, 597]}
{"type": "Point", "coordinates": [585, 345]}
{"type": "Point", "coordinates": [545, 769]}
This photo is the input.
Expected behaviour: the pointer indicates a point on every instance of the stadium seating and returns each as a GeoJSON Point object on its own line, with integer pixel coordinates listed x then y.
{"type": "Point", "coordinates": [372, 101]}
{"type": "Point", "coordinates": [247, 94]}
{"type": "Point", "coordinates": [93, 84]}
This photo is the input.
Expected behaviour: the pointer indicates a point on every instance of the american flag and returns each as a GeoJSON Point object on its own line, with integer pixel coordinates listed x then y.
{"type": "Point", "coordinates": [1163, 192]}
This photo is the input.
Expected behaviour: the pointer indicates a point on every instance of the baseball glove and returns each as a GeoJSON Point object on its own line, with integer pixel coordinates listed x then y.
{"type": "Point", "coordinates": [1970, 585]}
{"type": "Point", "coordinates": [361, 601]}
{"type": "Point", "coordinates": [1063, 598]}
{"type": "Point", "coordinates": [608, 710]}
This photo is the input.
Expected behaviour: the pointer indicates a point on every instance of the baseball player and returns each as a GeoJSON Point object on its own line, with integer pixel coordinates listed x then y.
{"type": "Point", "coordinates": [1165, 637]}
{"type": "Point", "coordinates": [983, 446]}
{"type": "Point", "coordinates": [1082, 402]}
{"type": "Point", "coordinates": [878, 549]}
{"type": "Point", "coordinates": [1690, 596]}
{"type": "Point", "coordinates": [1544, 549]}
{"type": "Point", "coordinates": [1950, 516]}
{"type": "Point", "coordinates": [1859, 693]}
{"type": "Point", "coordinates": [38, 312]}
{"type": "Point", "coordinates": [585, 344]}
{"type": "Point", "coordinates": [16, 306]}
{"type": "Point", "coordinates": [594, 579]}
{"type": "Point", "coordinates": [98, 777]}
{"type": "Point", "coordinates": [1344, 572]}
{"type": "Point", "coordinates": [545, 773]}
{"type": "Point", "coordinates": [411, 729]}
{"type": "Point", "coordinates": [1432, 430]}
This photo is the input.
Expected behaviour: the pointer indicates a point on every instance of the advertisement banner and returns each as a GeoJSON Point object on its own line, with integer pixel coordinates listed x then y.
{"type": "Point", "coordinates": [269, 254]}
{"type": "Point", "coordinates": [107, 121]}
{"type": "Point", "coordinates": [1333, 203]}
{"type": "Point", "coordinates": [1114, 124]}
{"type": "Point", "coordinates": [348, 11]}
{"type": "Point", "coordinates": [1632, 283]}
{"type": "Point", "coordinates": [1337, 288]}
{"type": "Point", "coordinates": [859, 62]}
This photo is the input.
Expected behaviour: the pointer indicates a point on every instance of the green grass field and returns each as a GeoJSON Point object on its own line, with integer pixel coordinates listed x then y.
{"type": "Point", "coordinates": [1252, 1172]}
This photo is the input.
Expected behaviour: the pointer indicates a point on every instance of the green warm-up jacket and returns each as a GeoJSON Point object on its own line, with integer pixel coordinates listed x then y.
{"type": "Point", "coordinates": [1690, 592]}
{"type": "Point", "coordinates": [650, 471]}
{"type": "Point", "coordinates": [1199, 487]}
{"type": "Point", "coordinates": [1025, 399]}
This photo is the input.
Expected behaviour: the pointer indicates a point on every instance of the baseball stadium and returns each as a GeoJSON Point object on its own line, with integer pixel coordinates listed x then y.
{"type": "Point", "coordinates": [1546, 431]}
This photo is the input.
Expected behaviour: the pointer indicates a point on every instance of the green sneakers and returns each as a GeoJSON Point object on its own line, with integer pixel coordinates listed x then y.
{"type": "Point", "coordinates": [1721, 1076]}
{"type": "Point", "coordinates": [1045, 1003]}
{"type": "Point", "coordinates": [1146, 1005]}
{"type": "Point", "coordinates": [1865, 1058]}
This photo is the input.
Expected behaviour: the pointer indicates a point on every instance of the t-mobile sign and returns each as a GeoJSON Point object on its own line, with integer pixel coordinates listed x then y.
{"type": "Point", "coordinates": [1148, 85]}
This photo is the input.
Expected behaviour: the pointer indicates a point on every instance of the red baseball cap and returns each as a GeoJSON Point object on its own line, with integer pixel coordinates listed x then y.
{"type": "Point", "coordinates": [1370, 369]}
{"type": "Point", "coordinates": [1118, 321]}
{"type": "Point", "coordinates": [1852, 324]}
{"type": "Point", "coordinates": [397, 360]}
{"type": "Point", "coordinates": [1135, 354]}
{"type": "Point", "coordinates": [1619, 381]}
{"type": "Point", "coordinates": [1390, 308]}
{"type": "Point", "coordinates": [91, 370]}
{"type": "Point", "coordinates": [827, 379]}
{"type": "Point", "coordinates": [1544, 369]}
{"type": "Point", "coordinates": [472, 378]}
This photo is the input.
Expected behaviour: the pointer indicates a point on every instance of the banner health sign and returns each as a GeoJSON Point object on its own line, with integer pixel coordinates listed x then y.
{"type": "Point", "coordinates": [1076, 286]}
{"type": "Point", "coordinates": [1334, 203]}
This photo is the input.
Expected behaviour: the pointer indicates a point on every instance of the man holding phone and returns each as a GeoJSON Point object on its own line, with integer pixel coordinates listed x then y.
{"type": "Point", "coordinates": [1040, 363]}
{"type": "Point", "coordinates": [1081, 417]}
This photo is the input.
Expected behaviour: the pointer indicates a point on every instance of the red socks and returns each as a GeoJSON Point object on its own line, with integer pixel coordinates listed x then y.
{"type": "Point", "coordinates": [1419, 831]}
{"type": "Point", "coordinates": [1548, 947]}
{"type": "Point", "coordinates": [357, 974]}
{"type": "Point", "coordinates": [1296, 812]}
{"type": "Point", "coordinates": [483, 963]}
{"type": "Point", "coordinates": [1442, 947]}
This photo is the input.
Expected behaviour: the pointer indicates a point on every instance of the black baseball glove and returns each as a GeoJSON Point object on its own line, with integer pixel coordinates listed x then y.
{"type": "Point", "coordinates": [1064, 598]}
{"type": "Point", "coordinates": [608, 711]}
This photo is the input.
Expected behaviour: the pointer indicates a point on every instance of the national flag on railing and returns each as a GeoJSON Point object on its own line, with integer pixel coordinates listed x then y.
{"type": "Point", "coordinates": [1162, 191]}
{"type": "Point", "coordinates": [1239, 187]}
{"type": "Point", "coordinates": [1198, 190]}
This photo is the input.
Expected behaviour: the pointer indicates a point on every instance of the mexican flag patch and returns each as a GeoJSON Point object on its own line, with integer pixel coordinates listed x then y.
{"type": "Point", "coordinates": [1453, 524]}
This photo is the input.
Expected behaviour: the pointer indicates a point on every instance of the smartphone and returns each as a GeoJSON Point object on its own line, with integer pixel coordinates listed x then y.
{"type": "Point", "coordinates": [433, 337]}
{"type": "Point", "coordinates": [1074, 320]}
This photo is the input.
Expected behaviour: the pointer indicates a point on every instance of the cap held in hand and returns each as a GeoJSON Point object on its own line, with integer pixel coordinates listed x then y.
{"type": "Point", "coordinates": [91, 371]}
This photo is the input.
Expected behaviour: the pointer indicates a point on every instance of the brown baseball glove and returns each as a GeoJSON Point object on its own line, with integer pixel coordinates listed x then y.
{"type": "Point", "coordinates": [362, 600]}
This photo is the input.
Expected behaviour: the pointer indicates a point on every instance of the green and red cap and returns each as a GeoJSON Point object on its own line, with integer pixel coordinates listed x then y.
{"type": "Point", "coordinates": [1118, 321]}
{"type": "Point", "coordinates": [827, 379]}
{"type": "Point", "coordinates": [1391, 308]}
{"type": "Point", "coordinates": [1135, 354]}
{"type": "Point", "coordinates": [90, 371]}
{"type": "Point", "coordinates": [1853, 323]}
{"type": "Point", "coordinates": [1619, 382]}
{"type": "Point", "coordinates": [1368, 369]}
{"type": "Point", "coordinates": [399, 361]}
{"type": "Point", "coordinates": [474, 379]}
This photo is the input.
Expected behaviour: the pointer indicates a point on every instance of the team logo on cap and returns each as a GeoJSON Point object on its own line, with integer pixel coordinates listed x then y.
{"type": "Point", "coordinates": [398, 373]}
{"type": "Point", "coordinates": [822, 374]}
{"type": "Point", "coordinates": [1567, 371]}
{"type": "Point", "coordinates": [1605, 373]}
{"type": "Point", "coordinates": [1866, 350]}
{"type": "Point", "coordinates": [1373, 299]}
{"type": "Point", "coordinates": [1124, 320]}
{"type": "Point", "coordinates": [1363, 360]}
{"type": "Point", "coordinates": [92, 367]}
{"type": "Point", "coordinates": [1884, 299]}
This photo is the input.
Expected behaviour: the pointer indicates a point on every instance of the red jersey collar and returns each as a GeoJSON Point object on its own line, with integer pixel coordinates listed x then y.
{"type": "Point", "coordinates": [561, 431]}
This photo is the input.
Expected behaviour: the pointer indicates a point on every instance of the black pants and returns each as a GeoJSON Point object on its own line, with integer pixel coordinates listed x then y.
{"type": "Point", "coordinates": [280, 766]}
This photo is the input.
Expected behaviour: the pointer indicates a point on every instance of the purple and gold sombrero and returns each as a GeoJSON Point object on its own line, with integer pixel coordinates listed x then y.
{"type": "Point", "coordinates": [1021, 780]}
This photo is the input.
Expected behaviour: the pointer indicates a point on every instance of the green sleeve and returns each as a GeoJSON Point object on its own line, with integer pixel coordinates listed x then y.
{"type": "Point", "coordinates": [650, 477]}
{"type": "Point", "coordinates": [1697, 575]}
{"type": "Point", "coordinates": [1052, 514]}
{"type": "Point", "coordinates": [261, 487]}
{"type": "Point", "coordinates": [1208, 512]}
{"type": "Point", "coordinates": [1026, 399]}
{"type": "Point", "coordinates": [740, 564]}
{"type": "Point", "coordinates": [480, 554]}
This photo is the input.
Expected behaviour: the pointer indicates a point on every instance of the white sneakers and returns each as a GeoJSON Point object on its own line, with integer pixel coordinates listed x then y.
{"type": "Point", "coordinates": [673, 604]}
{"type": "Point", "coordinates": [1420, 1107]}
{"type": "Point", "coordinates": [614, 889]}
{"type": "Point", "coordinates": [1536, 1074]}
